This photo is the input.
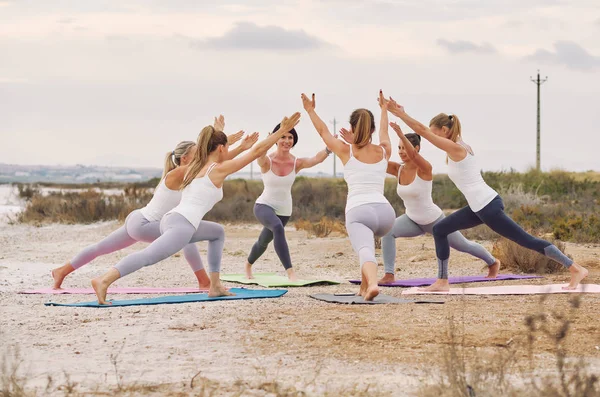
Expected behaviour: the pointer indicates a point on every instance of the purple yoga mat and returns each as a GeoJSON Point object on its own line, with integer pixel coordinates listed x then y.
{"type": "Point", "coordinates": [421, 282]}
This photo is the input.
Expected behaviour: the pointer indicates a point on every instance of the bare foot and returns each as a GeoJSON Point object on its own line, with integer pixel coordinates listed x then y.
{"type": "Point", "coordinates": [372, 292]}
{"type": "Point", "coordinates": [438, 285]}
{"type": "Point", "coordinates": [219, 290]}
{"type": "Point", "coordinates": [100, 287]}
{"type": "Point", "coordinates": [363, 289]}
{"type": "Point", "coordinates": [493, 269]}
{"type": "Point", "coordinates": [388, 278]}
{"type": "Point", "coordinates": [248, 268]}
{"type": "Point", "coordinates": [292, 275]}
{"type": "Point", "coordinates": [578, 273]}
{"type": "Point", "coordinates": [204, 286]}
{"type": "Point", "coordinates": [59, 274]}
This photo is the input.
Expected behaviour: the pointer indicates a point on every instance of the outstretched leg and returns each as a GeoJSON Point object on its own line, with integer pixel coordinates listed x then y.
{"type": "Point", "coordinates": [494, 216]}
{"type": "Point", "coordinates": [403, 227]}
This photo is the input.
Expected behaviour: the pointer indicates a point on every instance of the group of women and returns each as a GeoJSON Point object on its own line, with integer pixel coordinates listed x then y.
{"type": "Point", "coordinates": [192, 184]}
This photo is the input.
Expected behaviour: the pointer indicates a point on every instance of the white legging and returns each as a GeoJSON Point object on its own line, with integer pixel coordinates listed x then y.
{"type": "Point", "coordinates": [366, 222]}
{"type": "Point", "coordinates": [136, 228]}
{"type": "Point", "coordinates": [176, 233]}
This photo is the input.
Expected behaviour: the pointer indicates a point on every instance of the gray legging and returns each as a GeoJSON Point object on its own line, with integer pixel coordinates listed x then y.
{"type": "Point", "coordinates": [406, 227]}
{"type": "Point", "coordinates": [136, 228]}
{"type": "Point", "coordinates": [366, 222]}
{"type": "Point", "coordinates": [274, 229]}
{"type": "Point", "coordinates": [177, 232]}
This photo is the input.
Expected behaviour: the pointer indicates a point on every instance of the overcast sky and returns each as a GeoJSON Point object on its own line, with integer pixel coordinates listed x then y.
{"type": "Point", "coordinates": [121, 82]}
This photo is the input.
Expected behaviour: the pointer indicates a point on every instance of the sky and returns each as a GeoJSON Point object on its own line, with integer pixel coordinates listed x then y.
{"type": "Point", "coordinates": [120, 83]}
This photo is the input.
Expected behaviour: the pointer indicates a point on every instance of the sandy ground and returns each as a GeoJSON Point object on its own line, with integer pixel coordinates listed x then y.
{"type": "Point", "coordinates": [255, 347]}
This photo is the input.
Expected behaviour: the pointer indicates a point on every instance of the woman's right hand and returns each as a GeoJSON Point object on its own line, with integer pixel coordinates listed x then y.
{"type": "Point", "coordinates": [348, 136]}
{"type": "Point", "coordinates": [290, 122]}
{"type": "Point", "coordinates": [394, 108]}
{"type": "Point", "coordinates": [233, 138]}
{"type": "Point", "coordinates": [219, 123]}
{"type": "Point", "coordinates": [396, 128]}
{"type": "Point", "coordinates": [308, 103]}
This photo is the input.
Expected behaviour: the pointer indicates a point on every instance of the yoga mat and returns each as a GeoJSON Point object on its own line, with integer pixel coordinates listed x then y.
{"type": "Point", "coordinates": [352, 299]}
{"type": "Point", "coordinates": [241, 293]}
{"type": "Point", "coordinates": [271, 280]}
{"type": "Point", "coordinates": [511, 290]}
{"type": "Point", "coordinates": [423, 282]}
{"type": "Point", "coordinates": [124, 290]}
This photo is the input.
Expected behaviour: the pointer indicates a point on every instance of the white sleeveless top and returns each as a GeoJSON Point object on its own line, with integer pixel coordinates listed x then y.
{"type": "Point", "coordinates": [365, 181]}
{"type": "Point", "coordinates": [466, 175]}
{"type": "Point", "coordinates": [277, 192]}
{"type": "Point", "coordinates": [198, 198]}
{"type": "Point", "coordinates": [163, 200]}
{"type": "Point", "coordinates": [418, 202]}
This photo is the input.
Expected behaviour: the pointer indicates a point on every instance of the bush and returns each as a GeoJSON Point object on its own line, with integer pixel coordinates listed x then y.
{"type": "Point", "coordinates": [524, 260]}
{"type": "Point", "coordinates": [323, 228]}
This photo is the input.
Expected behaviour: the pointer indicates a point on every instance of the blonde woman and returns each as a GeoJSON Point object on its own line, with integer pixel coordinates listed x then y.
{"type": "Point", "coordinates": [485, 206]}
{"type": "Point", "coordinates": [202, 189]}
{"type": "Point", "coordinates": [144, 224]}
{"type": "Point", "coordinates": [368, 213]}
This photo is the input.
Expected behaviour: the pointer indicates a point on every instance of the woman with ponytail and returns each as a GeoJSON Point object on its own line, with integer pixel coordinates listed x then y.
{"type": "Point", "coordinates": [273, 208]}
{"type": "Point", "coordinates": [202, 188]}
{"type": "Point", "coordinates": [415, 183]}
{"type": "Point", "coordinates": [485, 206]}
{"type": "Point", "coordinates": [368, 213]}
{"type": "Point", "coordinates": [144, 224]}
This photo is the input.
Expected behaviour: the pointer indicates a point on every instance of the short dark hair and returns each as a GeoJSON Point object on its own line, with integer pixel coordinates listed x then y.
{"type": "Point", "coordinates": [292, 131]}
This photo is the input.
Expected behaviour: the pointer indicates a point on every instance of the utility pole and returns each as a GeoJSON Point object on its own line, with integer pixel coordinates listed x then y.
{"type": "Point", "coordinates": [334, 132]}
{"type": "Point", "coordinates": [538, 82]}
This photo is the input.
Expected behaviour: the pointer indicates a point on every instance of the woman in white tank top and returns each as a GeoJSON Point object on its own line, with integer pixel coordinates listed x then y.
{"type": "Point", "coordinates": [484, 205]}
{"type": "Point", "coordinates": [144, 224]}
{"type": "Point", "coordinates": [273, 207]}
{"type": "Point", "coordinates": [368, 213]}
{"type": "Point", "coordinates": [415, 182]}
{"type": "Point", "coordinates": [202, 189]}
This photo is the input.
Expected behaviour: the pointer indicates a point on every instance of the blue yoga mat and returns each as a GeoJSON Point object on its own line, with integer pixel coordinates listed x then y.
{"type": "Point", "coordinates": [240, 293]}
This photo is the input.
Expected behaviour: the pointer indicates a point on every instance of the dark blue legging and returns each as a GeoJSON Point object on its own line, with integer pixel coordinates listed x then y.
{"type": "Point", "coordinates": [273, 230]}
{"type": "Point", "coordinates": [493, 216]}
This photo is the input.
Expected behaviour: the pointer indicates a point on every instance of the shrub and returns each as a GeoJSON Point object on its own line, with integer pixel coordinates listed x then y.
{"type": "Point", "coordinates": [524, 260]}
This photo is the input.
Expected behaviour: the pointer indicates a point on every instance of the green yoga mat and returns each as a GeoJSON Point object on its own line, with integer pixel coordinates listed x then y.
{"type": "Point", "coordinates": [272, 280]}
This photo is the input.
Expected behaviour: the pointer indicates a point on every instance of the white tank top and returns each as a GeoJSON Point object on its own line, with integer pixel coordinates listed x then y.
{"type": "Point", "coordinates": [365, 181]}
{"type": "Point", "coordinates": [277, 192]}
{"type": "Point", "coordinates": [198, 198]}
{"type": "Point", "coordinates": [466, 175]}
{"type": "Point", "coordinates": [418, 202]}
{"type": "Point", "coordinates": [163, 201]}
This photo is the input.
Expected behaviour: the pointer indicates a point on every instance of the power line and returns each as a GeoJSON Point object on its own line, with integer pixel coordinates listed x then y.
{"type": "Point", "coordinates": [538, 82]}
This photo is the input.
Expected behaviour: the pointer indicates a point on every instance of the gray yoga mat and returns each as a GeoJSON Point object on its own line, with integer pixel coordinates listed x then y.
{"type": "Point", "coordinates": [353, 299]}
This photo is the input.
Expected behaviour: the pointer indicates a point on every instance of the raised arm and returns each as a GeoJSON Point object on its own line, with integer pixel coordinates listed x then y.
{"type": "Point", "coordinates": [335, 145]}
{"type": "Point", "coordinates": [228, 167]}
{"type": "Point", "coordinates": [318, 158]}
{"type": "Point", "coordinates": [393, 168]}
{"type": "Point", "coordinates": [422, 165]}
{"type": "Point", "coordinates": [454, 150]}
{"type": "Point", "coordinates": [246, 144]}
{"type": "Point", "coordinates": [384, 136]}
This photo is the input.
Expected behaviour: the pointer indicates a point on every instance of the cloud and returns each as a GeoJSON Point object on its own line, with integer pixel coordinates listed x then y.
{"type": "Point", "coordinates": [248, 36]}
{"type": "Point", "coordinates": [461, 46]}
{"type": "Point", "coordinates": [569, 54]}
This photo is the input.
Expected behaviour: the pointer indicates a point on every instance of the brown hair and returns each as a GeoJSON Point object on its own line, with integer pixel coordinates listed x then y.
{"type": "Point", "coordinates": [209, 140]}
{"type": "Point", "coordinates": [363, 126]}
{"type": "Point", "coordinates": [173, 159]}
{"type": "Point", "coordinates": [451, 122]}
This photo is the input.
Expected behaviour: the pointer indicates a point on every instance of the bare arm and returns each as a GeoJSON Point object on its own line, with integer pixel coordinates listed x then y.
{"type": "Point", "coordinates": [384, 136]}
{"type": "Point", "coordinates": [422, 165]}
{"type": "Point", "coordinates": [393, 168]}
{"type": "Point", "coordinates": [311, 161]}
{"type": "Point", "coordinates": [454, 150]}
{"type": "Point", "coordinates": [230, 166]}
{"type": "Point", "coordinates": [335, 145]}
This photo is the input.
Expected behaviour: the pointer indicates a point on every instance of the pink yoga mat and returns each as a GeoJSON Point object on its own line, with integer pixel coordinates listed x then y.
{"type": "Point", "coordinates": [511, 290]}
{"type": "Point", "coordinates": [124, 290]}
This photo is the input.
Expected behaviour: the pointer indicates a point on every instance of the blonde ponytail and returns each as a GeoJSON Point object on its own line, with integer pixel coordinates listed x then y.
{"type": "Point", "coordinates": [173, 159]}
{"type": "Point", "coordinates": [363, 126]}
{"type": "Point", "coordinates": [208, 141]}
{"type": "Point", "coordinates": [452, 123]}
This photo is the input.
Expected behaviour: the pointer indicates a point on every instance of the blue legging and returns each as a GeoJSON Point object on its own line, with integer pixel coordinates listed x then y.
{"type": "Point", "coordinates": [493, 216]}
{"type": "Point", "coordinates": [274, 229]}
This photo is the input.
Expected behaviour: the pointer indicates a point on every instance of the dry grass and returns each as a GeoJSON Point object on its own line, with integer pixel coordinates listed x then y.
{"type": "Point", "coordinates": [524, 260]}
{"type": "Point", "coordinates": [322, 228]}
